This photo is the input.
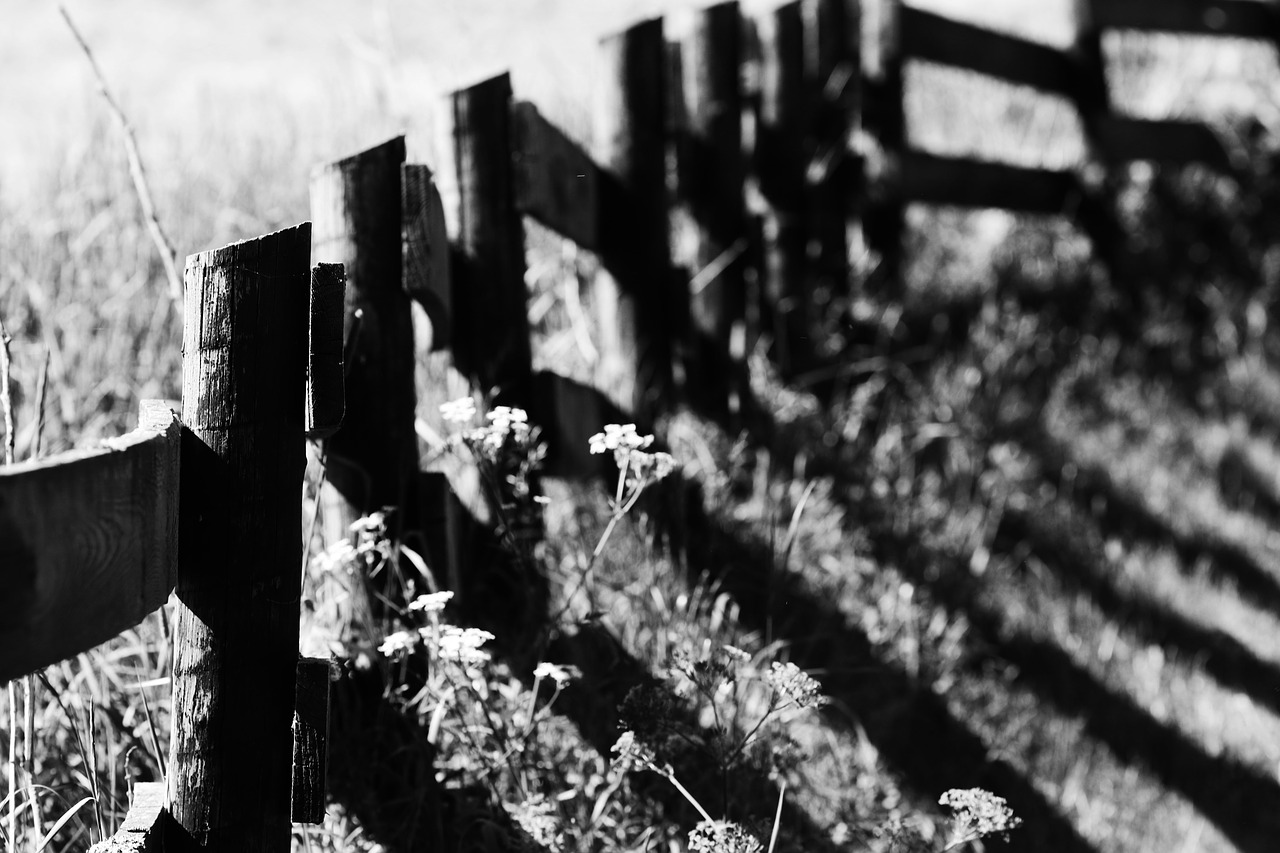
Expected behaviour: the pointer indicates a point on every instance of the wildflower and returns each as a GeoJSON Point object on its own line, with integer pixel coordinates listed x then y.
{"type": "Point", "coordinates": [463, 644]}
{"type": "Point", "coordinates": [795, 684]}
{"type": "Point", "coordinates": [561, 675]}
{"type": "Point", "coordinates": [736, 653]}
{"type": "Point", "coordinates": [432, 602]}
{"type": "Point", "coordinates": [722, 836]}
{"type": "Point", "coordinates": [977, 813]}
{"type": "Point", "coordinates": [398, 643]}
{"type": "Point", "coordinates": [632, 752]}
{"type": "Point", "coordinates": [374, 524]}
{"type": "Point", "coordinates": [619, 437]}
{"type": "Point", "coordinates": [337, 556]}
{"type": "Point", "coordinates": [459, 410]}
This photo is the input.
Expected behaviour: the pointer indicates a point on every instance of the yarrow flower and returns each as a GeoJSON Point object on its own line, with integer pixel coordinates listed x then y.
{"type": "Point", "coordinates": [977, 813]}
{"type": "Point", "coordinates": [795, 684]}
{"type": "Point", "coordinates": [463, 644]}
{"type": "Point", "coordinates": [432, 602]}
{"type": "Point", "coordinates": [619, 437]}
{"type": "Point", "coordinates": [458, 411]}
{"type": "Point", "coordinates": [561, 675]}
{"type": "Point", "coordinates": [398, 643]}
{"type": "Point", "coordinates": [632, 752]}
{"type": "Point", "coordinates": [722, 836]}
{"type": "Point", "coordinates": [339, 555]}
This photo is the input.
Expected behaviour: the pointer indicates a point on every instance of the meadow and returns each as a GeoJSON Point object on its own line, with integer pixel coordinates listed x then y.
{"type": "Point", "coordinates": [1021, 529]}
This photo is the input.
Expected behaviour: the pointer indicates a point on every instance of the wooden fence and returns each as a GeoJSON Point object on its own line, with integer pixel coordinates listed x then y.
{"type": "Point", "coordinates": [708, 235]}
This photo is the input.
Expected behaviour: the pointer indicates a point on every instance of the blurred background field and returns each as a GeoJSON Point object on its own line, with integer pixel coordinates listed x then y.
{"type": "Point", "coordinates": [1039, 554]}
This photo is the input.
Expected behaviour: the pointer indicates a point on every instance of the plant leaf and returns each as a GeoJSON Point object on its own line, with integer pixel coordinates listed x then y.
{"type": "Point", "coordinates": [70, 813]}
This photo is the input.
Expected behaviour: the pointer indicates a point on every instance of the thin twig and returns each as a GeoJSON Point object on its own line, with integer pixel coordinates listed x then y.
{"type": "Point", "coordinates": [168, 256]}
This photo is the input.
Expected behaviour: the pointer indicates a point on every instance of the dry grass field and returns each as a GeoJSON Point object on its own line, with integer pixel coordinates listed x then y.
{"type": "Point", "coordinates": [1035, 546]}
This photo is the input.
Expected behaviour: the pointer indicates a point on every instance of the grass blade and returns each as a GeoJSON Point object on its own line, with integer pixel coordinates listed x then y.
{"type": "Point", "coordinates": [62, 821]}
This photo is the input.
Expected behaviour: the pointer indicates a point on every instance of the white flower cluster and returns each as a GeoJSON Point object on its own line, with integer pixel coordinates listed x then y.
{"type": "Point", "coordinates": [978, 813]}
{"type": "Point", "coordinates": [630, 454]}
{"type": "Point", "coordinates": [561, 675]}
{"type": "Point", "coordinates": [463, 644]}
{"type": "Point", "coordinates": [399, 643]}
{"type": "Point", "coordinates": [795, 684]}
{"type": "Point", "coordinates": [432, 602]}
{"type": "Point", "coordinates": [722, 836]}
{"type": "Point", "coordinates": [632, 752]}
{"type": "Point", "coordinates": [505, 423]}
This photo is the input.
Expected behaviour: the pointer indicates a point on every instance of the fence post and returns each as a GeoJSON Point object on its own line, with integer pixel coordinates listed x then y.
{"type": "Point", "coordinates": [236, 634]}
{"type": "Point", "coordinates": [630, 137]}
{"type": "Point", "coordinates": [355, 208]}
{"type": "Point", "coordinates": [884, 220]}
{"type": "Point", "coordinates": [834, 86]}
{"type": "Point", "coordinates": [491, 342]}
{"type": "Point", "coordinates": [1097, 213]}
{"type": "Point", "coordinates": [780, 168]}
{"type": "Point", "coordinates": [710, 171]}
{"type": "Point", "coordinates": [424, 239]}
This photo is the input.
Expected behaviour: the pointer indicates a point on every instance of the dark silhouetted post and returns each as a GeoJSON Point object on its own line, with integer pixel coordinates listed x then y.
{"type": "Point", "coordinates": [710, 187]}
{"type": "Point", "coordinates": [236, 632]}
{"type": "Point", "coordinates": [491, 345]}
{"type": "Point", "coordinates": [632, 305]}
{"type": "Point", "coordinates": [355, 207]}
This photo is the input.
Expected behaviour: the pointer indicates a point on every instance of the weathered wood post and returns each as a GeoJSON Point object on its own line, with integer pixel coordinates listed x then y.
{"type": "Point", "coordinates": [884, 220]}
{"type": "Point", "coordinates": [236, 630]}
{"type": "Point", "coordinates": [491, 345]}
{"type": "Point", "coordinates": [634, 242]}
{"type": "Point", "coordinates": [710, 189]}
{"type": "Point", "coordinates": [355, 208]}
{"type": "Point", "coordinates": [780, 168]}
{"type": "Point", "coordinates": [834, 81]}
{"type": "Point", "coordinates": [1097, 213]}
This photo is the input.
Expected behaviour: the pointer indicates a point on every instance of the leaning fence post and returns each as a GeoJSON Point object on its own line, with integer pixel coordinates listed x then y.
{"type": "Point", "coordinates": [780, 168]}
{"type": "Point", "coordinates": [355, 207]}
{"type": "Point", "coordinates": [710, 179]}
{"type": "Point", "coordinates": [236, 633]}
{"type": "Point", "coordinates": [884, 220]}
{"type": "Point", "coordinates": [491, 343]}
{"type": "Point", "coordinates": [634, 242]}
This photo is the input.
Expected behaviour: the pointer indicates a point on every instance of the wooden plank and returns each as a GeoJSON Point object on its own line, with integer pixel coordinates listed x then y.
{"type": "Point", "coordinates": [1244, 18]}
{"type": "Point", "coordinates": [424, 240]}
{"type": "Point", "coordinates": [143, 830]}
{"type": "Point", "coordinates": [1173, 141]}
{"type": "Point", "coordinates": [555, 179]}
{"type": "Point", "coordinates": [236, 624]}
{"type": "Point", "coordinates": [88, 543]}
{"type": "Point", "coordinates": [326, 397]}
{"type": "Point", "coordinates": [931, 37]}
{"type": "Point", "coordinates": [632, 305]}
{"type": "Point", "coordinates": [310, 739]}
{"type": "Point", "coordinates": [974, 183]}
{"type": "Point", "coordinates": [491, 344]}
{"type": "Point", "coordinates": [355, 205]}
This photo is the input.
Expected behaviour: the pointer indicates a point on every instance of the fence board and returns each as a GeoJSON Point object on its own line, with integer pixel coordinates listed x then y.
{"type": "Point", "coordinates": [555, 179]}
{"type": "Point", "coordinates": [88, 543]}
{"type": "Point", "coordinates": [1122, 139]}
{"type": "Point", "coordinates": [932, 37]}
{"type": "Point", "coordinates": [326, 398]}
{"type": "Point", "coordinates": [1244, 18]}
{"type": "Point", "coordinates": [236, 626]}
{"type": "Point", "coordinates": [143, 829]}
{"type": "Point", "coordinates": [424, 243]}
{"type": "Point", "coordinates": [974, 183]}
